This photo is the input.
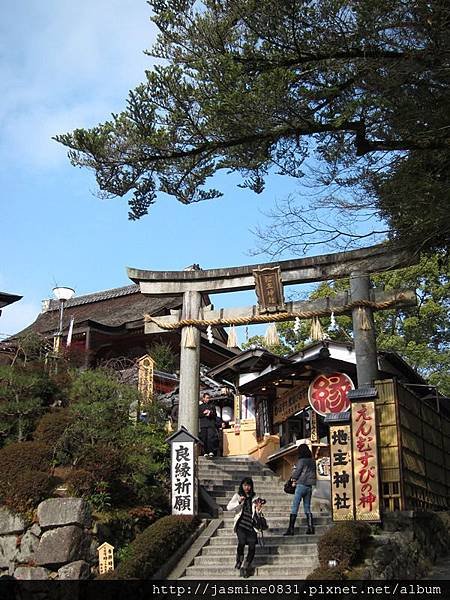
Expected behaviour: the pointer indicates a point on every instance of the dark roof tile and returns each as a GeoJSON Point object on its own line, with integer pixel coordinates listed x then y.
{"type": "Point", "coordinates": [111, 308]}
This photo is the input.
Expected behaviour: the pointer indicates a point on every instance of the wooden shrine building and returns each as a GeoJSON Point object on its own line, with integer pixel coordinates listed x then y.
{"type": "Point", "coordinates": [110, 324]}
{"type": "Point", "coordinates": [274, 411]}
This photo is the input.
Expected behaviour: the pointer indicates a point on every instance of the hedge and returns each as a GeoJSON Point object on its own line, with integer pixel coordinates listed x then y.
{"type": "Point", "coordinates": [52, 426]}
{"type": "Point", "coordinates": [152, 548]}
{"type": "Point", "coordinates": [343, 542]}
{"type": "Point", "coordinates": [25, 477]}
{"type": "Point", "coordinates": [326, 573]}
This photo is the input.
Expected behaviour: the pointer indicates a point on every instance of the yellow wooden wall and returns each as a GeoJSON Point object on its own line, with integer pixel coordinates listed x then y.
{"type": "Point", "coordinates": [414, 442]}
{"type": "Point", "coordinates": [388, 444]}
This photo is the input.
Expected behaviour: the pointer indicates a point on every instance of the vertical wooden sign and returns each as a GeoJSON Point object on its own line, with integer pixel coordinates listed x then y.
{"type": "Point", "coordinates": [313, 424]}
{"type": "Point", "coordinates": [365, 461]}
{"type": "Point", "coordinates": [341, 469]}
{"type": "Point", "coordinates": [145, 377]}
{"type": "Point", "coordinates": [237, 413]}
{"type": "Point", "coordinates": [105, 558]}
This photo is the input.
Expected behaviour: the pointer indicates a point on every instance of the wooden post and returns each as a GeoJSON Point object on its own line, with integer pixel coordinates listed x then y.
{"type": "Point", "coordinates": [363, 331]}
{"type": "Point", "coordinates": [87, 348]}
{"type": "Point", "coordinates": [189, 366]}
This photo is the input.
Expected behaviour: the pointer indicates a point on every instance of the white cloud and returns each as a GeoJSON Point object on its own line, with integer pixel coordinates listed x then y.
{"type": "Point", "coordinates": [17, 316]}
{"type": "Point", "coordinates": [68, 64]}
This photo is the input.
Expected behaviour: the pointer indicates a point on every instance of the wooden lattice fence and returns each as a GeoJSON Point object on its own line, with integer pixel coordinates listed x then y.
{"type": "Point", "coordinates": [414, 441]}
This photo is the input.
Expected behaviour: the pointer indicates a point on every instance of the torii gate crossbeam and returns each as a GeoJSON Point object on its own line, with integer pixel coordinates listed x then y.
{"type": "Point", "coordinates": [356, 264]}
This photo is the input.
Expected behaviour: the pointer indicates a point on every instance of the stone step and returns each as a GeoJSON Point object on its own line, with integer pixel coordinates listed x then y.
{"type": "Point", "coordinates": [266, 571]}
{"type": "Point", "coordinates": [273, 493]}
{"type": "Point", "coordinates": [226, 463]}
{"type": "Point", "coordinates": [237, 458]}
{"type": "Point", "coordinates": [219, 489]}
{"type": "Point", "coordinates": [227, 460]}
{"type": "Point", "coordinates": [233, 482]}
{"type": "Point", "coordinates": [275, 513]}
{"type": "Point", "coordinates": [278, 549]}
{"type": "Point", "coordinates": [272, 499]}
{"type": "Point", "coordinates": [283, 509]}
{"type": "Point", "coordinates": [238, 474]}
{"type": "Point", "coordinates": [277, 531]}
{"type": "Point", "coordinates": [228, 515]}
{"type": "Point", "coordinates": [301, 560]}
{"type": "Point", "coordinates": [281, 557]}
{"type": "Point", "coordinates": [281, 523]}
{"type": "Point", "coordinates": [228, 538]}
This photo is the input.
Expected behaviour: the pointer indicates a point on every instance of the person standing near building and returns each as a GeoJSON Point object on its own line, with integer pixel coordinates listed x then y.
{"type": "Point", "coordinates": [208, 426]}
{"type": "Point", "coordinates": [303, 478]}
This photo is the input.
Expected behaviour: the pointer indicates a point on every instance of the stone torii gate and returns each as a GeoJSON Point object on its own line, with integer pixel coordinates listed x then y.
{"type": "Point", "coordinates": [268, 279]}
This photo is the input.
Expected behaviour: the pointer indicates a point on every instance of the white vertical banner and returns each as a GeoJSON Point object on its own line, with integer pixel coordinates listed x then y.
{"type": "Point", "coordinates": [70, 332]}
{"type": "Point", "coordinates": [183, 488]}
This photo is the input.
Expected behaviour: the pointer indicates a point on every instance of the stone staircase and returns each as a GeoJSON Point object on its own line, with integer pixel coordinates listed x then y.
{"type": "Point", "coordinates": [290, 557]}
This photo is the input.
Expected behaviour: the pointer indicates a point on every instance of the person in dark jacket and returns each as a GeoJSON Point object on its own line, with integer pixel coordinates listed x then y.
{"type": "Point", "coordinates": [208, 426]}
{"type": "Point", "coordinates": [303, 478]}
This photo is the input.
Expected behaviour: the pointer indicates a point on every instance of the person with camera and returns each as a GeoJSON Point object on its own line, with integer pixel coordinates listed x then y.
{"type": "Point", "coordinates": [208, 421]}
{"type": "Point", "coordinates": [303, 478]}
{"type": "Point", "coordinates": [248, 521]}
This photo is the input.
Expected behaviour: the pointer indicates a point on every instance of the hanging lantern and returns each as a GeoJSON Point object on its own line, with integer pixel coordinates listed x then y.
{"type": "Point", "coordinates": [316, 329]}
{"type": "Point", "coordinates": [272, 338]}
{"type": "Point", "coordinates": [232, 339]}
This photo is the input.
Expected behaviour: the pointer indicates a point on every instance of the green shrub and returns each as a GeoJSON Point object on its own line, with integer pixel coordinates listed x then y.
{"type": "Point", "coordinates": [99, 438]}
{"type": "Point", "coordinates": [164, 356]}
{"type": "Point", "coordinates": [80, 482]}
{"type": "Point", "coordinates": [22, 456]}
{"type": "Point", "coordinates": [143, 515]}
{"type": "Point", "coordinates": [25, 474]}
{"type": "Point", "coordinates": [52, 426]}
{"type": "Point", "coordinates": [20, 402]}
{"type": "Point", "coordinates": [152, 548]}
{"type": "Point", "coordinates": [99, 407]}
{"type": "Point", "coordinates": [325, 573]}
{"type": "Point", "coordinates": [100, 497]}
{"type": "Point", "coordinates": [343, 542]}
{"type": "Point", "coordinates": [104, 462]}
{"type": "Point", "coordinates": [146, 462]}
{"type": "Point", "coordinates": [28, 489]}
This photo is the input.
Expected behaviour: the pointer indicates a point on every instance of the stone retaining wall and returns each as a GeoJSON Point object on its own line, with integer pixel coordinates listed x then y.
{"type": "Point", "coordinates": [408, 545]}
{"type": "Point", "coordinates": [59, 545]}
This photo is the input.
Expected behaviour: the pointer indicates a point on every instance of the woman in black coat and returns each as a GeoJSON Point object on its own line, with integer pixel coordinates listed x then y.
{"type": "Point", "coordinates": [303, 478]}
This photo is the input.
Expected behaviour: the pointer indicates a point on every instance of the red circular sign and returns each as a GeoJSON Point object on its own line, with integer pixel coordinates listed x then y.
{"type": "Point", "coordinates": [328, 393]}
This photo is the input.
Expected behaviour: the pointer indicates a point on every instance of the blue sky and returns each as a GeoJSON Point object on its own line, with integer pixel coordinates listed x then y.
{"type": "Point", "coordinates": [70, 64]}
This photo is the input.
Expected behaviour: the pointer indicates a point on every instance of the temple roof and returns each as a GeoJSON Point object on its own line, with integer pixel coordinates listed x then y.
{"type": "Point", "coordinates": [6, 299]}
{"type": "Point", "coordinates": [122, 307]}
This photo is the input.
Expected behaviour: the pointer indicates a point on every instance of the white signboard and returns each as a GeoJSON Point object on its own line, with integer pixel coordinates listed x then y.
{"type": "Point", "coordinates": [183, 489]}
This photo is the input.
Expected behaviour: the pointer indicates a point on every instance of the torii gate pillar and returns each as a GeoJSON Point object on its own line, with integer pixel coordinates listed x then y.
{"type": "Point", "coordinates": [363, 331]}
{"type": "Point", "coordinates": [189, 365]}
